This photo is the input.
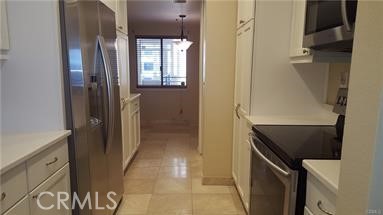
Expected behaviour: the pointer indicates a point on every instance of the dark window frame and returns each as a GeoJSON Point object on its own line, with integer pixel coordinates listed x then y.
{"type": "Point", "coordinates": [162, 86]}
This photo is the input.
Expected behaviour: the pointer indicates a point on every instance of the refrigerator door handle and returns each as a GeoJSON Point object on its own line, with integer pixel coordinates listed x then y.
{"type": "Point", "coordinates": [109, 87]}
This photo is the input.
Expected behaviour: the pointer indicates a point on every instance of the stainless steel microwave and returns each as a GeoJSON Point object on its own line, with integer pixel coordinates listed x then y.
{"type": "Point", "coordinates": [329, 25]}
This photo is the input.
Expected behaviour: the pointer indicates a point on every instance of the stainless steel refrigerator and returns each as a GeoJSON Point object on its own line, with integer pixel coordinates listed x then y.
{"type": "Point", "coordinates": [88, 35]}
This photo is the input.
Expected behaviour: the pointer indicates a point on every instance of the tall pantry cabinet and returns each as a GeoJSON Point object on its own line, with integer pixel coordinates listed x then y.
{"type": "Point", "coordinates": [244, 64]}
{"type": "Point", "coordinates": [130, 118]}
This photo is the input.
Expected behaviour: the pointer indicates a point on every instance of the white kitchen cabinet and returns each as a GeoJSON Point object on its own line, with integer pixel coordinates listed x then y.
{"type": "Point", "coordinates": [241, 145]}
{"type": "Point", "coordinates": [13, 186]}
{"type": "Point", "coordinates": [123, 63]}
{"type": "Point", "coordinates": [135, 130]}
{"type": "Point", "coordinates": [120, 8]}
{"type": "Point", "coordinates": [4, 36]}
{"type": "Point", "coordinates": [112, 4]}
{"type": "Point", "coordinates": [42, 168]}
{"type": "Point", "coordinates": [246, 11]}
{"type": "Point", "coordinates": [319, 198]}
{"type": "Point", "coordinates": [20, 208]}
{"type": "Point", "coordinates": [299, 54]}
{"type": "Point", "coordinates": [58, 182]}
{"type": "Point", "coordinates": [122, 16]}
{"type": "Point", "coordinates": [244, 154]}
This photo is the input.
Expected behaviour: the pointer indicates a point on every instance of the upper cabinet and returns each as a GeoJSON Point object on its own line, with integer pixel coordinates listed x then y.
{"type": "Point", "coordinates": [120, 7]}
{"type": "Point", "coordinates": [298, 54]}
{"type": "Point", "coordinates": [122, 16]}
{"type": "Point", "coordinates": [112, 4]}
{"type": "Point", "coordinates": [246, 11]}
{"type": "Point", "coordinates": [4, 39]}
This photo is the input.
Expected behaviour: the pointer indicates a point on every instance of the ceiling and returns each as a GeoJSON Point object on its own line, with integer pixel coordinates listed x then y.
{"type": "Point", "coordinates": [163, 10]}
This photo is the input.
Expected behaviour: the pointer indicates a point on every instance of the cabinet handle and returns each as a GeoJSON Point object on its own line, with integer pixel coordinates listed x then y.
{"type": "Point", "coordinates": [120, 27]}
{"type": "Point", "coordinates": [306, 51]}
{"type": "Point", "coordinates": [241, 21]}
{"type": "Point", "coordinates": [52, 162]}
{"type": "Point", "coordinates": [236, 111]}
{"type": "Point", "coordinates": [320, 206]}
{"type": "Point", "coordinates": [3, 195]}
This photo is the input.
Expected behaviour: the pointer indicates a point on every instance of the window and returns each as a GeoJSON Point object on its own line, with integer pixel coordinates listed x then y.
{"type": "Point", "coordinates": [160, 63]}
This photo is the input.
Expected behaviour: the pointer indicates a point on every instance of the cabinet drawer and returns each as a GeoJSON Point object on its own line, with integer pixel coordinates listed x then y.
{"type": "Point", "coordinates": [317, 192]}
{"type": "Point", "coordinates": [20, 208]}
{"type": "Point", "coordinates": [308, 212]}
{"type": "Point", "coordinates": [134, 105]}
{"type": "Point", "coordinates": [13, 186]}
{"type": "Point", "coordinates": [46, 163]}
{"type": "Point", "coordinates": [55, 185]}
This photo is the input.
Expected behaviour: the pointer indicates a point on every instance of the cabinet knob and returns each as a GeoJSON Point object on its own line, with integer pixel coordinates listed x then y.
{"type": "Point", "coordinates": [241, 21]}
{"type": "Point", "coordinates": [120, 27]}
{"type": "Point", "coordinates": [3, 195]}
{"type": "Point", "coordinates": [36, 196]}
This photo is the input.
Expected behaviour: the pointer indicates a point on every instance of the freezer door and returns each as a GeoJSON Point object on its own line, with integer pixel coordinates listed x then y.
{"type": "Point", "coordinates": [114, 150]}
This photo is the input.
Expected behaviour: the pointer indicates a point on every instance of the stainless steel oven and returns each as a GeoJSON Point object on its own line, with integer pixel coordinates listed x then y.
{"type": "Point", "coordinates": [329, 24]}
{"type": "Point", "coordinates": [274, 185]}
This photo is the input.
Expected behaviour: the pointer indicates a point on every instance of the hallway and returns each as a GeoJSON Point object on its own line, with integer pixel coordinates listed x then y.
{"type": "Point", "coordinates": [165, 178]}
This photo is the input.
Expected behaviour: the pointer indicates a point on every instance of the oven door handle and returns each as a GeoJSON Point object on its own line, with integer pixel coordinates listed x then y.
{"type": "Point", "coordinates": [271, 164]}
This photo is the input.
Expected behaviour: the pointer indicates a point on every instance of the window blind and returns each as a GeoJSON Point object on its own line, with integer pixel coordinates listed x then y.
{"type": "Point", "coordinates": [160, 63]}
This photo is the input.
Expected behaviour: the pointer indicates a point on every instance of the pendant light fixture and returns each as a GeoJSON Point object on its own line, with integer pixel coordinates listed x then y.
{"type": "Point", "coordinates": [183, 44]}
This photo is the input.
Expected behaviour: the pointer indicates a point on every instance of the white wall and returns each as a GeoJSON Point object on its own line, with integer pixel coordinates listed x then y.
{"type": "Point", "coordinates": [362, 151]}
{"type": "Point", "coordinates": [31, 83]}
{"type": "Point", "coordinates": [218, 90]}
{"type": "Point", "coordinates": [279, 87]}
{"type": "Point", "coordinates": [165, 104]}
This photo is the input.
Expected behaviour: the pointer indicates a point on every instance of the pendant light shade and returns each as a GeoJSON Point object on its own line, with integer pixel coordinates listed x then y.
{"type": "Point", "coordinates": [183, 44]}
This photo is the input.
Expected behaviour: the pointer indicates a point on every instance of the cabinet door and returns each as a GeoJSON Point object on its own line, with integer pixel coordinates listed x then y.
{"type": "Point", "coordinates": [236, 142]}
{"type": "Point", "coordinates": [122, 16]}
{"type": "Point", "coordinates": [244, 160]}
{"type": "Point", "coordinates": [244, 66]}
{"type": "Point", "coordinates": [112, 4]}
{"type": "Point", "coordinates": [123, 50]}
{"type": "Point", "coordinates": [58, 182]}
{"type": "Point", "coordinates": [246, 11]}
{"type": "Point", "coordinates": [137, 128]}
{"type": "Point", "coordinates": [133, 132]}
{"type": "Point", "coordinates": [20, 208]}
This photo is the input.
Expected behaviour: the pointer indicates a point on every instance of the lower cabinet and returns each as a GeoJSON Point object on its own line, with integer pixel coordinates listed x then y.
{"type": "Point", "coordinates": [44, 199]}
{"type": "Point", "coordinates": [134, 131]}
{"type": "Point", "coordinates": [241, 160]}
{"type": "Point", "coordinates": [35, 186]}
{"type": "Point", "coordinates": [22, 207]}
{"type": "Point", "coordinates": [319, 199]}
{"type": "Point", "coordinates": [135, 124]}
{"type": "Point", "coordinates": [308, 212]}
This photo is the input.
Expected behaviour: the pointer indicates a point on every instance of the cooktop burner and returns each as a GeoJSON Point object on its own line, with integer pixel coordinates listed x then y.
{"type": "Point", "coordinates": [293, 143]}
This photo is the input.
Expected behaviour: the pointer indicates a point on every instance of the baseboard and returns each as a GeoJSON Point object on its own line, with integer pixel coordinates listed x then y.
{"type": "Point", "coordinates": [217, 181]}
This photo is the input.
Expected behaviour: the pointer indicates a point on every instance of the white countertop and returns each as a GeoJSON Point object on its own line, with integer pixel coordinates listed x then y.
{"type": "Point", "coordinates": [328, 119]}
{"type": "Point", "coordinates": [134, 96]}
{"type": "Point", "coordinates": [326, 171]}
{"type": "Point", "coordinates": [17, 148]}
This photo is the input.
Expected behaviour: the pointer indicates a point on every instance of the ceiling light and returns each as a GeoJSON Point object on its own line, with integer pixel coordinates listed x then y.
{"type": "Point", "coordinates": [182, 44]}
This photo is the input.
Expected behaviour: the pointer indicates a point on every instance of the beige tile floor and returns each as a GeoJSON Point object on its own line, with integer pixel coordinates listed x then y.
{"type": "Point", "coordinates": [165, 178]}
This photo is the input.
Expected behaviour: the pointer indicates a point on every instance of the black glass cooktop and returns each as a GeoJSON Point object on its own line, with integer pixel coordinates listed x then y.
{"type": "Point", "coordinates": [293, 143]}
